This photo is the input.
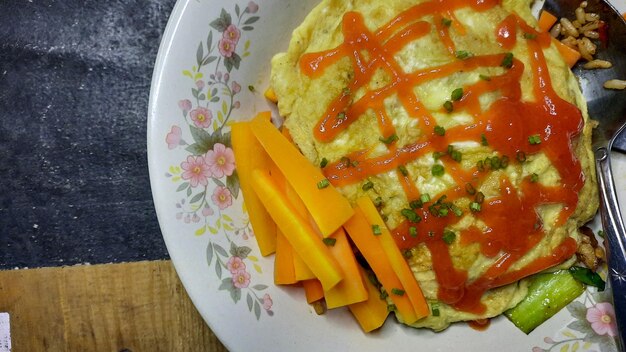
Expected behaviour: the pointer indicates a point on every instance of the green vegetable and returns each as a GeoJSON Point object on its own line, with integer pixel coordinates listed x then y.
{"type": "Point", "coordinates": [548, 293]}
{"type": "Point", "coordinates": [507, 61]}
{"type": "Point", "coordinates": [437, 170]}
{"type": "Point", "coordinates": [448, 106]}
{"type": "Point", "coordinates": [446, 22]}
{"type": "Point", "coordinates": [440, 131]}
{"type": "Point", "coordinates": [457, 94]}
{"type": "Point", "coordinates": [587, 276]}
{"type": "Point", "coordinates": [329, 241]}
{"type": "Point", "coordinates": [389, 140]}
{"type": "Point", "coordinates": [323, 163]}
{"type": "Point", "coordinates": [376, 230]}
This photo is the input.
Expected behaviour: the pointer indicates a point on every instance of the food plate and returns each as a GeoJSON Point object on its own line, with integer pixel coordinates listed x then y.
{"type": "Point", "coordinates": [212, 69]}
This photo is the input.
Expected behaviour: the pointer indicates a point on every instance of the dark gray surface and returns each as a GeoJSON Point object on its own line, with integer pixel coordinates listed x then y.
{"type": "Point", "coordinates": [74, 85]}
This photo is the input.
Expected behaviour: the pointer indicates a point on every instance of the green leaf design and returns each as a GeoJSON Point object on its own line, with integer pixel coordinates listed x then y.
{"type": "Point", "coordinates": [197, 197]}
{"type": "Point", "coordinates": [220, 250]}
{"type": "Point", "coordinates": [200, 54]}
{"type": "Point", "coordinates": [218, 271]}
{"type": "Point", "coordinates": [188, 191]}
{"type": "Point", "coordinates": [257, 310]}
{"type": "Point", "coordinates": [200, 136]}
{"type": "Point", "coordinates": [208, 60]}
{"type": "Point", "coordinates": [259, 287]}
{"type": "Point", "coordinates": [182, 186]}
{"type": "Point", "coordinates": [251, 20]}
{"type": "Point", "coordinates": [213, 230]}
{"type": "Point", "coordinates": [209, 42]}
{"type": "Point", "coordinates": [250, 301]}
{"type": "Point", "coordinates": [222, 22]}
{"type": "Point", "coordinates": [227, 218]}
{"type": "Point", "coordinates": [196, 149]}
{"type": "Point", "coordinates": [235, 294]}
{"type": "Point", "coordinates": [232, 182]}
{"type": "Point", "coordinates": [200, 231]}
{"type": "Point", "coordinates": [218, 182]}
{"type": "Point", "coordinates": [209, 253]}
{"type": "Point", "coordinates": [227, 284]}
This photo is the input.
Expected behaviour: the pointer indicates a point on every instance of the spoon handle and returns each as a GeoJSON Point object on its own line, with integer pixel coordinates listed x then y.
{"type": "Point", "coordinates": [615, 237]}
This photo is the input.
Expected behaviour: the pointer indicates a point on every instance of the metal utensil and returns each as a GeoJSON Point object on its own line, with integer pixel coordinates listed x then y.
{"type": "Point", "coordinates": [609, 108]}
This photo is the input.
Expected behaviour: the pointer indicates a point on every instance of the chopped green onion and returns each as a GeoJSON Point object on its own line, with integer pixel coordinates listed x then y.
{"type": "Point", "coordinates": [391, 308]}
{"type": "Point", "coordinates": [588, 277]}
{"type": "Point", "coordinates": [378, 201]}
{"type": "Point", "coordinates": [601, 233]}
{"type": "Point", "coordinates": [456, 156]}
{"type": "Point", "coordinates": [521, 156]}
{"type": "Point", "coordinates": [438, 155]}
{"type": "Point", "coordinates": [435, 309]}
{"type": "Point", "coordinates": [507, 61]}
{"type": "Point", "coordinates": [389, 140]}
{"type": "Point", "coordinates": [485, 77]}
{"type": "Point", "coordinates": [504, 161]}
{"type": "Point", "coordinates": [437, 170]}
{"type": "Point", "coordinates": [414, 204]}
{"type": "Point", "coordinates": [534, 139]}
{"type": "Point", "coordinates": [345, 161]}
{"type": "Point", "coordinates": [448, 106]}
{"type": "Point", "coordinates": [480, 197]}
{"type": "Point", "coordinates": [425, 197]}
{"type": "Point", "coordinates": [376, 230]}
{"type": "Point", "coordinates": [323, 184]}
{"type": "Point", "coordinates": [446, 22]}
{"type": "Point", "coordinates": [397, 291]}
{"type": "Point", "coordinates": [440, 130]}
{"type": "Point", "coordinates": [483, 140]}
{"type": "Point", "coordinates": [323, 163]}
{"type": "Point", "coordinates": [403, 170]}
{"type": "Point", "coordinates": [457, 211]}
{"type": "Point", "coordinates": [413, 231]}
{"type": "Point", "coordinates": [367, 186]}
{"type": "Point", "coordinates": [530, 36]}
{"type": "Point", "coordinates": [457, 94]}
{"type": "Point", "coordinates": [346, 91]}
{"type": "Point", "coordinates": [443, 211]}
{"type": "Point", "coordinates": [410, 215]}
{"type": "Point", "coordinates": [448, 236]}
{"type": "Point", "coordinates": [534, 177]}
{"type": "Point", "coordinates": [407, 254]}
{"type": "Point", "coordinates": [475, 206]}
{"type": "Point", "coordinates": [480, 165]}
{"type": "Point", "coordinates": [329, 241]}
{"type": "Point", "coordinates": [355, 163]}
{"type": "Point", "coordinates": [341, 116]}
{"type": "Point", "coordinates": [470, 189]}
{"type": "Point", "coordinates": [384, 295]}
{"type": "Point", "coordinates": [462, 54]}
{"type": "Point", "coordinates": [251, 88]}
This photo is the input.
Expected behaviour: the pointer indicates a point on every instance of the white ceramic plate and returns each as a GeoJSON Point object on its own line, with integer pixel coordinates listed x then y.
{"type": "Point", "coordinates": [202, 81]}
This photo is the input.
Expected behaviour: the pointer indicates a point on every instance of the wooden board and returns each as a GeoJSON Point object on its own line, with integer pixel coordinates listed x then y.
{"type": "Point", "coordinates": [135, 307]}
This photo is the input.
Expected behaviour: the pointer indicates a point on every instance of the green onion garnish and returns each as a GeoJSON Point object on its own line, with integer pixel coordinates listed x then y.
{"type": "Point", "coordinates": [483, 140]}
{"type": "Point", "coordinates": [530, 36]}
{"type": "Point", "coordinates": [435, 309]}
{"type": "Point", "coordinates": [456, 156]}
{"type": "Point", "coordinates": [378, 201]}
{"type": "Point", "coordinates": [410, 215]}
{"type": "Point", "coordinates": [391, 308]}
{"type": "Point", "coordinates": [389, 140]}
{"type": "Point", "coordinates": [376, 230]}
{"type": "Point", "coordinates": [475, 206]}
{"type": "Point", "coordinates": [521, 156]}
{"type": "Point", "coordinates": [414, 204]}
{"type": "Point", "coordinates": [462, 54]}
{"type": "Point", "coordinates": [446, 22]}
{"type": "Point", "coordinates": [437, 170]}
{"type": "Point", "coordinates": [403, 170]}
{"type": "Point", "coordinates": [534, 139]}
{"type": "Point", "coordinates": [440, 131]}
{"type": "Point", "coordinates": [448, 106]}
{"type": "Point", "coordinates": [323, 184]}
{"type": "Point", "coordinates": [534, 178]}
{"type": "Point", "coordinates": [397, 291]}
{"type": "Point", "coordinates": [470, 189]}
{"type": "Point", "coordinates": [329, 241]}
{"type": "Point", "coordinates": [438, 155]}
{"type": "Point", "coordinates": [367, 185]}
{"type": "Point", "coordinates": [480, 197]}
{"type": "Point", "coordinates": [507, 61]}
{"type": "Point", "coordinates": [323, 163]}
{"type": "Point", "coordinates": [425, 198]}
{"type": "Point", "coordinates": [413, 231]}
{"type": "Point", "coordinates": [341, 116]}
{"type": "Point", "coordinates": [457, 94]}
{"type": "Point", "coordinates": [485, 77]}
{"type": "Point", "coordinates": [448, 236]}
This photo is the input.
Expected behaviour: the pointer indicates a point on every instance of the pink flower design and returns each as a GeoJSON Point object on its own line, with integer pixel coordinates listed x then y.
{"type": "Point", "coordinates": [222, 197]}
{"type": "Point", "coordinates": [236, 87]}
{"type": "Point", "coordinates": [226, 47]}
{"type": "Point", "coordinates": [221, 160]}
{"type": "Point", "coordinates": [196, 171]}
{"type": "Point", "coordinates": [241, 279]}
{"type": "Point", "coordinates": [267, 302]}
{"type": "Point", "coordinates": [200, 84]}
{"type": "Point", "coordinates": [252, 7]}
{"type": "Point", "coordinates": [602, 319]}
{"type": "Point", "coordinates": [184, 105]}
{"type": "Point", "coordinates": [207, 211]}
{"type": "Point", "coordinates": [232, 33]}
{"type": "Point", "coordinates": [235, 265]}
{"type": "Point", "coordinates": [173, 137]}
{"type": "Point", "coordinates": [201, 117]}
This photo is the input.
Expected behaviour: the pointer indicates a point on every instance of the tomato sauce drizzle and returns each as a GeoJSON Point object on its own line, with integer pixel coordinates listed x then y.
{"type": "Point", "coordinates": [506, 125]}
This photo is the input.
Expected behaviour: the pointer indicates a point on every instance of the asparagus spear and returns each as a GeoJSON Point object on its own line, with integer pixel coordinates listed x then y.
{"type": "Point", "coordinates": [547, 294]}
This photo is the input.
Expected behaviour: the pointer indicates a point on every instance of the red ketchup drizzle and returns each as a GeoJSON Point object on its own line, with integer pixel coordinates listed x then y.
{"type": "Point", "coordinates": [512, 226]}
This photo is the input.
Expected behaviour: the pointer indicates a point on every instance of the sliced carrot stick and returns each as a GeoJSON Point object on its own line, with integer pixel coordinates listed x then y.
{"type": "Point", "coordinates": [546, 21]}
{"type": "Point", "coordinates": [271, 95]}
{"type": "Point", "coordinates": [301, 270]}
{"type": "Point", "coordinates": [284, 271]}
{"type": "Point", "coordinates": [571, 56]}
{"type": "Point", "coordinates": [351, 289]}
{"type": "Point", "coordinates": [328, 207]}
{"type": "Point", "coordinates": [313, 290]}
{"type": "Point", "coordinates": [360, 231]}
{"type": "Point", "coordinates": [398, 263]}
{"type": "Point", "coordinates": [302, 237]}
{"type": "Point", "coordinates": [370, 314]}
{"type": "Point", "coordinates": [249, 154]}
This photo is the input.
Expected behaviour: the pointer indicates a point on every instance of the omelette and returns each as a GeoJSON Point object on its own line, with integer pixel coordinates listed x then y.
{"type": "Point", "coordinates": [464, 126]}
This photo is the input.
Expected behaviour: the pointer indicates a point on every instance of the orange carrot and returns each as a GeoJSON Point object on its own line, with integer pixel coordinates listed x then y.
{"type": "Point", "coordinates": [546, 21]}
{"type": "Point", "coordinates": [351, 289]}
{"type": "Point", "coordinates": [370, 314]}
{"type": "Point", "coordinates": [301, 270]}
{"type": "Point", "coordinates": [361, 233]}
{"type": "Point", "coordinates": [249, 154]}
{"type": "Point", "coordinates": [271, 95]}
{"type": "Point", "coordinates": [284, 271]}
{"type": "Point", "coordinates": [571, 56]}
{"type": "Point", "coordinates": [313, 290]}
{"type": "Point", "coordinates": [302, 237]}
{"type": "Point", "coordinates": [398, 263]}
{"type": "Point", "coordinates": [327, 206]}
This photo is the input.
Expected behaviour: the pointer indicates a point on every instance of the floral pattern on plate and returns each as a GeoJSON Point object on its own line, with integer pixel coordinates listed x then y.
{"type": "Point", "coordinates": [210, 158]}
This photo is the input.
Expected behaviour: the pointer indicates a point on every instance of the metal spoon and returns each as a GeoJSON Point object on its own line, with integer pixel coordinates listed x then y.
{"type": "Point", "coordinates": [609, 108]}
